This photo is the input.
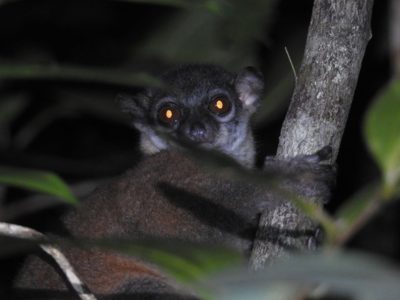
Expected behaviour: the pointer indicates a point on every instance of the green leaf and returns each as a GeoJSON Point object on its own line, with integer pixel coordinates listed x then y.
{"type": "Point", "coordinates": [176, 3]}
{"type": "Point", "coordinates": [382, 130]}
{"type": "Point", "coordinates": [222, 32]}
{"type": "Point", "coordinates": [354, 207]}
{"type": "Point", "coordinates": [354, 276]}
{"type": "Point", "coordinates": [275, 101]}
{"type": "Point", "coordinates": [223, 164]}
{"type": "Point", "coordinates": [38, 181]}
{"type": "Point", "coordinates": [19, 72]}
{"type": "Point", "coordinates": [188, 263]}
{"type": "Point", "coordinates": [316, 213]}
{"type": "Point", "coordinates": [11, 108]}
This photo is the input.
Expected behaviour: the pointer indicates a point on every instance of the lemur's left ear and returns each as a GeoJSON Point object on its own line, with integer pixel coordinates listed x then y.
{"type": "Point", "coordinates": [249, 85]}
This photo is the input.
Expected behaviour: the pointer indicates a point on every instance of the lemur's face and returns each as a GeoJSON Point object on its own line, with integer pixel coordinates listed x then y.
{"type": "Point", "coordinates": [202, 105]}
{"type": "Point", "coordinates": [207, 120]}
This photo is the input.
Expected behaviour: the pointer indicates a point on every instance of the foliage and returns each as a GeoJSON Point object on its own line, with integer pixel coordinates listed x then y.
{"type": "Point", "coordinates": [40, 181]}
{"type": "Point", "coordinates": [189, 263]}
{"type": "Point", "coordinates": [227, 33]}
{"type": "Point", "coordinates": [382, 130]}
{"type": "Point", "coordinates": [354, 275]}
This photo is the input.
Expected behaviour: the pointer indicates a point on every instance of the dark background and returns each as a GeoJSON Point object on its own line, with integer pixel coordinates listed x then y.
{"type": "Point", "coordinates": [74, 128]}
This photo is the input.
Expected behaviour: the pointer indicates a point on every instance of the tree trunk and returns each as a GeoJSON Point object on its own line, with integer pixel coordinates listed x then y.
{"type": "Point", "coordinates": [337, 37]}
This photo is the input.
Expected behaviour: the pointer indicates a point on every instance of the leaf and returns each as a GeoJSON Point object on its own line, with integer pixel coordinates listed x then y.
{"type": "Point", "coordinates": [269, 177]}
{"type": "Point", "coordinates": [222, 32]}
{"type": "Point", "coordinates": [38, 181]}
{"type": "Point", "coordinates": [274, 101]}
{"type": "Point", "coordinates": [316, 213]}
{"type": "Point", "coordinates": [185, 261]}
{"type": "Point", "coordinates": [55, 72]}
{"type": "Point", "coordinates": [382, 131]}
{"type": "Point", "coordinates": [176, 3]}
{"type": "Point", "coordinates": [11, 108]}
{"type": "Point", "coordinates": [356, 276]}
{"type": "Point", "coordinates": [29, 131]}
{"type": "Point", "coordinates": [188, 263]}
{"type": "Point", "coordinates": [354, 207]}
{"type": "Point", "coordinates": [68, 104]}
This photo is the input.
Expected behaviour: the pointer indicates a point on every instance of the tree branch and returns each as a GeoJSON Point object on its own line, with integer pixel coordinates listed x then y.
{"type": "Point", "coordinates": [337, 37]}
{"type": "Point", "coordinates": [18, 231]}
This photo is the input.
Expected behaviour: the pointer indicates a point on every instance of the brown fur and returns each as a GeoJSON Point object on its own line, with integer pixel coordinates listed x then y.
{"type": "Point", "coordinates": [166, 196]}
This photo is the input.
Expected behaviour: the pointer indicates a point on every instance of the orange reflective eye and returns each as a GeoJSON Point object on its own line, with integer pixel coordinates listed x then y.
{"type": "Point", "coordinates": [169, 114]}
{"type": "Point", "coordinates": [220, 105]}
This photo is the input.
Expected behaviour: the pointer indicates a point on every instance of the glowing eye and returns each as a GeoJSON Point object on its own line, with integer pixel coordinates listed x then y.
{"type": "Point", "coordinates": [220, 105]}
{"type": "Point", "coordinates": [169, 114]}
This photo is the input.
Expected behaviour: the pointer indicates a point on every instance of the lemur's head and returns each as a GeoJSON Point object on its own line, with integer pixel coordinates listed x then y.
{"type": "Point", "coordinates": [204, 105]}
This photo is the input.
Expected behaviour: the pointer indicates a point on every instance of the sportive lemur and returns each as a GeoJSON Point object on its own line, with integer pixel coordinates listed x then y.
{"type": "Point", "coordinates": [170, 195]}
{"type": "Point", "coordinates": [202, 104]}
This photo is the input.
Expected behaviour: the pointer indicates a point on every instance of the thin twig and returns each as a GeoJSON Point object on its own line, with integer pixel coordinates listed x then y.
{"type": "Point", "coordinates": [22, 232]}
{"type": "Point", "coordinates": [291, 64]}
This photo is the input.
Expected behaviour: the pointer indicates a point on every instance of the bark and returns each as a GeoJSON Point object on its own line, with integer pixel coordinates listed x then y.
{"type": "Point", "coordinates": [337, 37]}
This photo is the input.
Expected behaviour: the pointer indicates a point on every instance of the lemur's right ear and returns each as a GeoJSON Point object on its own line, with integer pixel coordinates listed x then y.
{"type": "Point", "coordinates": [249, 85]}
{"type": "Point", "coordinates": [137, 106]}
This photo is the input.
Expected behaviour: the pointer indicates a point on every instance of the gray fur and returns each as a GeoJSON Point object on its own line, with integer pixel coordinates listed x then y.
{"type": "Point", "coordinates": [192, 87]}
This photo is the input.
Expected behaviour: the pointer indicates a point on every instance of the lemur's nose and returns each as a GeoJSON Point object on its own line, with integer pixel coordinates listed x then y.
{"type": "Point", "coordinates": [197, 132]}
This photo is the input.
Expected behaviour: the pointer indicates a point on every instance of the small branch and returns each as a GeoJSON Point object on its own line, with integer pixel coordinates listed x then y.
{"type": "Point", "coordinates": [17, 231]}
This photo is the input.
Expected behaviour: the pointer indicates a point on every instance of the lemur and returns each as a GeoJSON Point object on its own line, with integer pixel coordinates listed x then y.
{"type": "Point", "coordinates": [170, 195]}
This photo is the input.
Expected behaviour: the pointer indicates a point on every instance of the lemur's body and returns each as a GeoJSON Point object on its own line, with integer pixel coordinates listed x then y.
{"type": "Point", "coordinates": [169, 195]}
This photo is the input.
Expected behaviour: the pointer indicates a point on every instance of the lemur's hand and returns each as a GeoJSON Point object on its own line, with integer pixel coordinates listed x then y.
{"type": "Point", "coordinates": [306, 175]}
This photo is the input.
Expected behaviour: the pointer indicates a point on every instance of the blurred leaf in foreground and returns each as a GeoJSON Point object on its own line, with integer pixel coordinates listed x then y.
{"type": "Point", "coordinates": [222, 32]}
{"type": "Point", "coordinates": [382, 130]}
{"type": "Point", "coordinates": [363, 200]}
{"type": "Point", "coordinates": [176, 3]}
{"type": "Point", "coordinates": [186, 262]}
{"type": "Point", "coordinates": [11, 108]}
{"type": "Point", "coordinates": [55, 72]}
{"type": "Point", "coordinates": [38, 181]}
{"type": "Point", "coordinates": [356, 276]}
